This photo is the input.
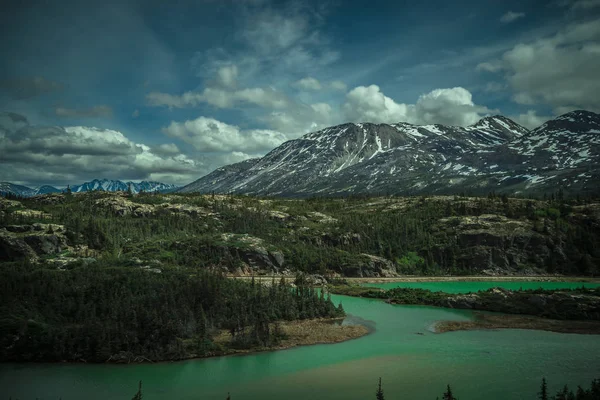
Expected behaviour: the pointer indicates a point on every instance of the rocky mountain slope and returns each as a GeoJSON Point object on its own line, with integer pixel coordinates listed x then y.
{"type": "Point", "coordinates": [105, 185]}
{"type": "Point", "coordinates": [24, 191]}
{"type": "Point", "coordinates": [495, 154]}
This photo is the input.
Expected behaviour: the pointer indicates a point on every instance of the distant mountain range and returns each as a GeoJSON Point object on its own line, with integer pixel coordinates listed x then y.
{"type": "Point", "coordinates": [494, 154]}
{"type": "Point", "coordinates": [97, 184]}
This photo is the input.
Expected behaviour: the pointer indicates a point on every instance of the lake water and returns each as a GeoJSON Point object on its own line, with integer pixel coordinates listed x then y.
{"type": "Point", "coordinates": [504, 364]}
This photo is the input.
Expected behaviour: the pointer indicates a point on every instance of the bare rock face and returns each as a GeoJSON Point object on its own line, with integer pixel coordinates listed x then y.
{"type": "Point", "coordinates": [30, 241]}
{"type": "Point", "coordinates": [370, 266]}
{"type": "Point", "coordinates": [122, 206]}
{"type": "Point", "coordinates": [252, 251]}
{"type": "Point", "coordinates": [496, 245]}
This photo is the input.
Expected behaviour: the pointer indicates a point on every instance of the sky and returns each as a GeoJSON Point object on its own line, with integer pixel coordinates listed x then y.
{"type": "Point", "coordinates": [169, 91]}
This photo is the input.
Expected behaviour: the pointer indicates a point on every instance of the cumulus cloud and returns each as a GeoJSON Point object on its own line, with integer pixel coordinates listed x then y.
{"type": "Point", "coordinates": [530, 119]}
{"type": "Point", "coordinates": [302, 119]}
{"type": "Point", "coordinates": [100, 111]}
{"type": "Point", "coordinates": [453, 106]}
{"type": "Point", "coordinates": [208, 134]}
{"type": "Point", "coordinates": [307, 83]}
{"type": "Point", "coordinates": [28, 87]}
{"type": "Point", "coordinates": [368, 103]}
{"type": "Point", "coordinates": [560, 71]}
{"type": "Point", "coordinates": [60, 155]}
{"type": "Point", "coordinates": [511, 16]}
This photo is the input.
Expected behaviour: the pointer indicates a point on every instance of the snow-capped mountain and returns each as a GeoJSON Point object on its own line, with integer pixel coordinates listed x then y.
{"type": "Point", "coordinates": [24, 191]}
{"type": "Point", "coordinates": [494, 154]}
{"type": "Point", "coordinates": [96, 184]}
{"type": "Point", "coordinates": [116, 185]}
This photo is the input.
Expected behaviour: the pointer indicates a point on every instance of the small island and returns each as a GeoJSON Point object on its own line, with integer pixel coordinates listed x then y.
{"type": "Point", "coordinates": [557, 310]}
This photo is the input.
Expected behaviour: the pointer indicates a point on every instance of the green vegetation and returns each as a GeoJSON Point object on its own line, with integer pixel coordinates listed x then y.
{"type": "Point", "coordinates": [415, 235]}
{"type": "Point", "coordinates": [121, 313]}
{"type": "Point", "coordinates": [561, 304]}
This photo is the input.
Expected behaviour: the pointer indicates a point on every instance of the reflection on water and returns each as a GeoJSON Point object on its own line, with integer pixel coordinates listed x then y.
{"type": "Point", "coordinates": [479, 364]}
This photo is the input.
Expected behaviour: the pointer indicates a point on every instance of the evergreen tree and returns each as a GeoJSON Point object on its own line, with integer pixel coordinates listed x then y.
{"type": "Point", "coordinates": [448, 394]}
{"type": "Point", "coordinates": [379, 393]}
{"type": "Point", "coordinates": [543, 393]}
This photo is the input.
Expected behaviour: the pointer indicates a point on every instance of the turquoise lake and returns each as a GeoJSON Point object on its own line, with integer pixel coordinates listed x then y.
{"type": "Point", "coordinates": [503, 364]}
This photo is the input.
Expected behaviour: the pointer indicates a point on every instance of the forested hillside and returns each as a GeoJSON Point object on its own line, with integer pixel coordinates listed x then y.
{"type": "Point", "coordinates": [354, 236]}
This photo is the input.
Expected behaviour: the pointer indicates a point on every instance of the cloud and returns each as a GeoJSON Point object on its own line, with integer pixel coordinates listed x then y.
{"type": "Point", "coordinates": [530, 120]}
{"type": "Point", "coordinates": [227, 76]}
{"type": "Point", "coordinates": [100, 111]}
{"type": "Point", "coordinates": [338, 85]}
{"type": "Point", "coordinates": [28, 87]}
{"type": "Point", "coordinates": [453, 106]}
{"type": "Point", "coordinates": [211, 135]}
{"type": "Point", "coordinates": [135, 113]}
{"type": "Point", "coordinates": [559, 71]}
{"type": "Point", "coordinates": [221, 98]}
{"type": "Point", "coordinates": [369, 104]}
{"type": "Point", "coordinates": [307, 83]}
{"type": "Point", "coordinates": [303, 118]}
{"type": "Point", "coordinates": [60, 155]}
{"type": "Point", "coordinates": [166, 149]}
{"type": "Point", "coordinates": [511, 16]}
{"type": "Point", "coordinates": [577, 5]}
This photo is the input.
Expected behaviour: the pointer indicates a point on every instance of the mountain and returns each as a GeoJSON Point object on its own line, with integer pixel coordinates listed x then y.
{"type": "Point", "coordinates": [46, 189]}
{"type": "Point", "coordinates": [116, 185]}
{"type": "Point", "coordinates": [103, 184]}
{"type": "Point", "coordinates": [494, 154]}
{"type": "Point", "coordinates": [17, 190]}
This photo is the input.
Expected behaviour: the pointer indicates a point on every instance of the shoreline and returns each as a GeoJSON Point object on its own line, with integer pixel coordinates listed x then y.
{"type": "Point", "coordinates": [511, 321]}
{"type": "Point", "coordinates": [466, 278]}
{"type": "Point", "coordinates": [478, 278]}
{"type": "Point", "coordinates": [299, 333]}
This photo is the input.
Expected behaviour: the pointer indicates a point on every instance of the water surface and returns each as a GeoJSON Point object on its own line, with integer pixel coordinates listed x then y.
{"type": "Point", "coordinates": [507, 364]}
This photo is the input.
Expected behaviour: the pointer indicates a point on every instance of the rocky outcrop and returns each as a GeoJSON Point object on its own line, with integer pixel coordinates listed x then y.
{"type": "Point", "coordinates": [31, 241]}
{"type": "Point", "coordinates": [370, 266]}
{"type": "Point", "coordinates": [122, 207]}
{"type": "Point", "coordinates": [496, 245]}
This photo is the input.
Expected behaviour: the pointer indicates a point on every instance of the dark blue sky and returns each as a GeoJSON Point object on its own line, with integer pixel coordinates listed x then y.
{"type": "Point", "coordinates": [193, 85]}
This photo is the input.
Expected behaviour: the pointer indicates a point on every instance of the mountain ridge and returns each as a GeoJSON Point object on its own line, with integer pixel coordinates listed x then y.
{"type": "Point", "coordinates": [494, 154]}
{"type": "Point", "coordinates": [95, 184]}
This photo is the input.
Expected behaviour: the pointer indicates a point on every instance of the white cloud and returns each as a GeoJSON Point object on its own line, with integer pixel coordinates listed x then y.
{"type": "Point", "coordinates": [209, 135]}
{"type": "Point", "coordinates": [530, 120]}
{"type": "Point", "coordinates": [338, 85]}
{"type": "Point", "coordinates": [579, 5]}
{"type": "Point", "coordinates": [368, 103]}
{"type": "Point", "coordinates": [452, 106]}
{"type": "Point", "coordinates": [560, 71]}
{"type": "Point", "coordinates": [100, 111]}
{"type": "Point", "coordinates": [221, 98]}
{"type": "Point", "coordinates": [511, 16]}
{"type": "Point", "coordinates": [307, 83]}
{"type": "Point", "coordinates": [42, 154]}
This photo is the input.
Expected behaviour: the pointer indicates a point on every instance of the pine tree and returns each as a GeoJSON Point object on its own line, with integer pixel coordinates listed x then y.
{"type": "Point", "coordinates": [543, 393]}
{"type": "Point", "coordinates": [379, 393]}
{"type": "Point", "coordinates": [448, 394]}
{"type": "Point", "coordinates": [138, 395]}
